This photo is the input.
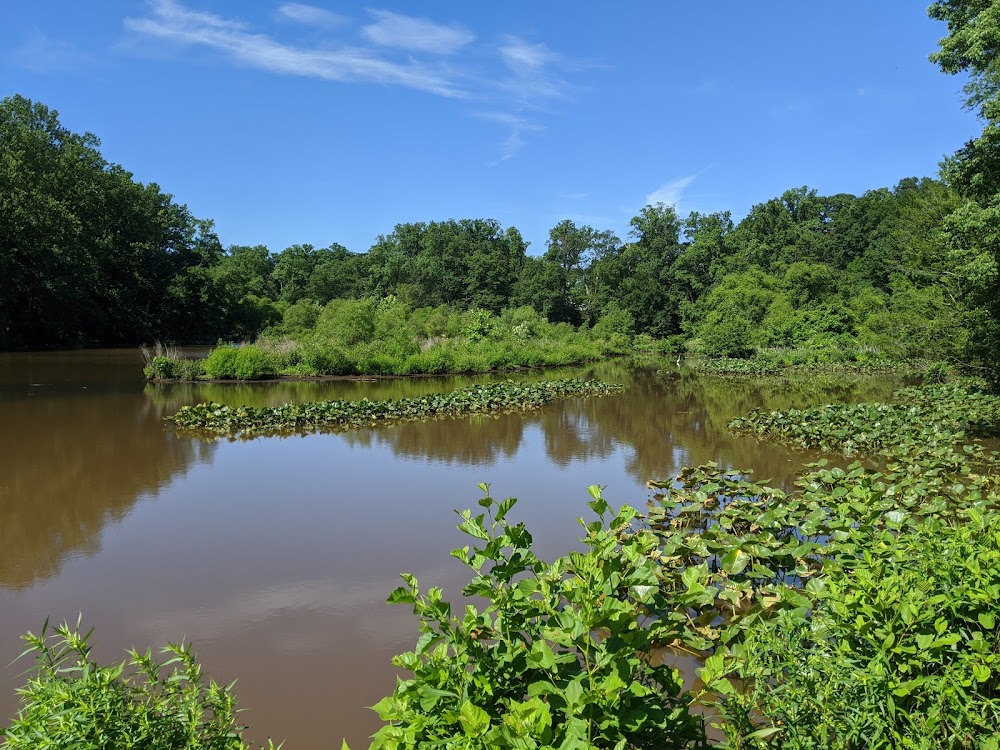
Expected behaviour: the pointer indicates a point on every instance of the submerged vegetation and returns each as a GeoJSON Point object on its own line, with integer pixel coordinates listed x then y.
{"type": "Point", "coordinates": [247, 421]}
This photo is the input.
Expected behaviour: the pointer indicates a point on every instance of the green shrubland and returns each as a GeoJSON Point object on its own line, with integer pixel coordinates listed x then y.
{"type": "Point", "coordinates": [383, 337]}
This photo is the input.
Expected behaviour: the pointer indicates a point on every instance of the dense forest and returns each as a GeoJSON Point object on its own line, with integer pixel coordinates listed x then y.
{"type": "Point", "coordinates": [91, 257]}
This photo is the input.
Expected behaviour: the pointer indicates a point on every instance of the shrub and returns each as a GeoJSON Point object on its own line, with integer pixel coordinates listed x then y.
{"type": "Point", "coordinates": [902, 648]}
{"type": "Point", "coordinates": [615, 324]}
{"type": "Point", "coordinates": [479, 325]}
{"type": "Point", "coordinates": [727, 334]}
{"type": "Point", "coordinates": [167, 368]}
{"type": "Point", "coordinates": [348, 321]}
{"type": "Point", "coordinates": [325, 360]}
{"type": "Point", "coordinates": [937, 372]}
{"type": "Point", "coordinates": [161, 368]}
{"type": "Point", "coordinates": [71, 701]}
{"type": "Point", "coordinates": [240, 363]}
{"type": "Point", "coordinates": [436, 360]}
{"type": "Point", "coordinates": [555, 659]}
{"type": "Point", "coordinates": [301, 317]}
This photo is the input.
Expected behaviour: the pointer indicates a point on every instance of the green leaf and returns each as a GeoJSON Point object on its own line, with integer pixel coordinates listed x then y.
{"type": "Point", "coordinates": [474, 720]}
{"type": "Point", "coordinates": [735, 561]}
{"type": "Point", "coordinates": [401, 595]}
{"type": "Point", "coordinates": [541, 655]}
{"type": "Point", "coordinates": [504, 508]}
{"type": "Point", "coordinates": [599, 505]}
{"type": "Point", "coordinates": [429, 696]}
{"type": "Point", "coordinates": [474, 527]}
{"type": "Point", "coordinates": [574, 692]}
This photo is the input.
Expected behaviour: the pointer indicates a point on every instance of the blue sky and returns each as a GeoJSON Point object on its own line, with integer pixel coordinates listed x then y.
{"type": "Point", "coordinates": [330, 122]}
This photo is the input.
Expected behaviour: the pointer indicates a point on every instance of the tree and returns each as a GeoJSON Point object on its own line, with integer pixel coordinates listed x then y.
{"type": "Point", "coordinates": [87, 255]}
{"type": "Point", "coordinates": [972, 46]}
{"type": "Point", "coordinates": [574, 249]}
{"type": "Point", "coordinates": [466, 263]}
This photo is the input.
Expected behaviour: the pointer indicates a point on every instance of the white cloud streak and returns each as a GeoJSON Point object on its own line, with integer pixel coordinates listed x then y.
{"type": "Point", "coordinates": [415, 34]}
{"type": "Point", "coordinates": [525, 58]}
{"type": "Point", "coordinates": [524, 88]}
{"type": "Point", "coordinates": [310, 15]}
{"type": "Point", "coordinates": [518, 127]}
{"type": "Point", "coordinates": [671, 193]}
{"type": "Point", "coordinates": [174, 22]}
{"type": "Point", "coordinates": [532, 80]}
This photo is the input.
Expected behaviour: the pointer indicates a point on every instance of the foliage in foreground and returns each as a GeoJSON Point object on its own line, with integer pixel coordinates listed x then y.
{"type": "Point", "coordinates": [883, 585]}
{"type": "Point", "coordinates": [560, 657]}
{"type": "Point", "coordinates": [248, 421]}
{"type": "Point", "coordinates": [858, 610]}
{"type": "Point", "coordinates": [900, 650]}
{"type": "Point", "coordinates": [71, 701]}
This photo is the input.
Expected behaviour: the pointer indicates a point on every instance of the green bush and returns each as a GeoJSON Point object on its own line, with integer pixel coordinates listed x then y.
{"type": "Point", "coordinates": [301, 317]}
{"type": "Point", "coordinates": [727, 334]}
{"type": "Point", "coordinates": [170, 368]}
{"type": "Point", "coordinates": [557, 658]}
{"type": "Point", "coordinates": [161, 368]}
{"type": "Point", "coordinates": [937, 372]}
{"type": "Point", "coordinates": [240, 363]}
{"type": "Point", "coordinates": [325, 360]}
{"type": "Point", "coordinates": [480, 325]}
{"type": "Point", "coordinates": [902, 648]}
{"type": "Point", "coordinates": [436, 361]}
{"type": "Point", "coordinates": [615, 324]}
{"type": "Point", "coordinates": [71, 701]}
{"type": "Point", "coordinates": [348, 322]}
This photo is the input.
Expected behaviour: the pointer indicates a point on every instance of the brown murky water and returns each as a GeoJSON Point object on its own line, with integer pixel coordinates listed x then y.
{"type": "Point", "coordinates": [274, 556]}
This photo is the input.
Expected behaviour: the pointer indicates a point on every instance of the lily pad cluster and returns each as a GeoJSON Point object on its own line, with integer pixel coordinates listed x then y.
{"type": "Point", "coordinates": [509, 396]}
{"type": "Point", "coordinates": [765, 365]}
{"type": "Point", "coordinates": [732, 551]}
{"type": "Point", "coordinates": [937, 418]}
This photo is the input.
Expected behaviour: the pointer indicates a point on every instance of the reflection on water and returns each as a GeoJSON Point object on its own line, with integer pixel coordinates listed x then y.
{"type": "Point", "coordinates": [274, 556]}
{"type": "Point", "coordinates": [78, 450]}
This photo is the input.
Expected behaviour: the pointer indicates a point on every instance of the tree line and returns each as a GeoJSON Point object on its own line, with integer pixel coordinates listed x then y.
{"type": "Point", "coordinates": [89, 256]}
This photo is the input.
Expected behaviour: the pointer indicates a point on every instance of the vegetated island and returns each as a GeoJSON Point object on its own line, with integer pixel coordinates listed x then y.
{"type": "Point", "coordinates": [494, 398]}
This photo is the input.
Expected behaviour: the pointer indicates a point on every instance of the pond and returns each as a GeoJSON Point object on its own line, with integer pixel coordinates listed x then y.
{"type": "Point", "coordinates": [274, 556]}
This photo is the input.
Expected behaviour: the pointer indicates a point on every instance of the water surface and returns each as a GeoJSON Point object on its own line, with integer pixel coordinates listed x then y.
{"type": "Point", "coordinates": [274, 556]}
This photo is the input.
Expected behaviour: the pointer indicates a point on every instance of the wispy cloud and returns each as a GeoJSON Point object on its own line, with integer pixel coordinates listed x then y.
{"type": "Point", "coordinates": [42, 54]}
{"type": "Point", "coordinates": [172, 21]}
{"type": "Point", "coordinates": [310, 15]}
{"type": "Point", "coordinates": [533, 68]}
{"type": "Point", "coordinates": [518, 126]}
{"type": "Point", "coordinates": [533, 84]}
{"type": "Point", "coordinates": [520, 84]}
{"type": "Point", "coordinates": [525, 58]}
{"type": "Point", "coordinates": [671, 192]}
{"type": "Point", "coordinates": [415, 34]}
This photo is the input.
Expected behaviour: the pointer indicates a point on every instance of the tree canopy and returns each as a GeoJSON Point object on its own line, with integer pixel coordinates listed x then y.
{"type": "Point", "coordinates": [90, 256]}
